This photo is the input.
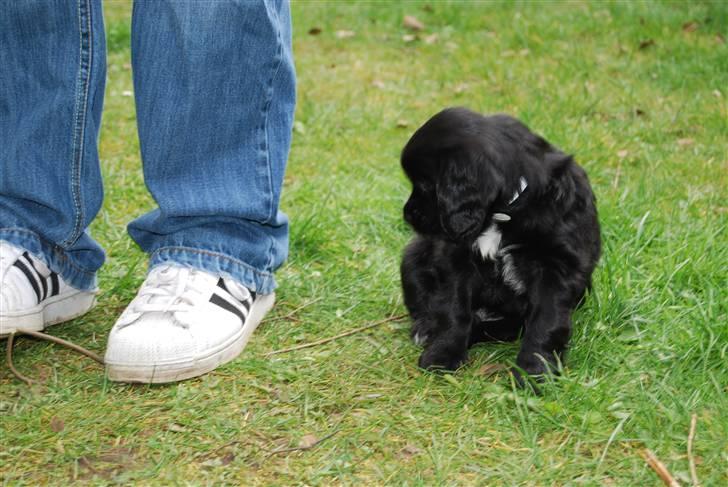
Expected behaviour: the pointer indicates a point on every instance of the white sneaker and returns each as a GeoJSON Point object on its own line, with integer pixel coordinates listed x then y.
{"type": "Point", "coordinates": [32, 297]}
{"type": "Point", "coordinates": [183, 323]}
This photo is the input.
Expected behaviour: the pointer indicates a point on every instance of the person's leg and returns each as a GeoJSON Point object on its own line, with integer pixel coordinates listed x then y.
{"type": "Point", "coordinates": [215, 92]}
{"type": "Point", "coordinates": [52, 71]}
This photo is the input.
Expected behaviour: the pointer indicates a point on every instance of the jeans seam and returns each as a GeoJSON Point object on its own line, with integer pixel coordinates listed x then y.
{"type": "Point", "coordinates": [266, 111]}
{"type": "Point", "coordinates": [271, 247]}
{"type": "Point", "coordinates": [209, 253]}
{"type": "Point", "coordinates": [85, 61]}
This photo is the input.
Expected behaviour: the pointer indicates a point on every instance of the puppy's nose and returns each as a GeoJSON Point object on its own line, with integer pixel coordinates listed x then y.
{"type": "Point", "coordinates": [463, 225]}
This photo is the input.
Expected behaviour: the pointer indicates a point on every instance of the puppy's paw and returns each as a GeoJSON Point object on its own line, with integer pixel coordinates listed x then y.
{"type": "Point", "coordinates": [537, 366]}
{"type": "Point", "coordinates": [531, 373]}
{"type": "Point", "coordinates": [420, 338]}
{"type": "Point", "coordinates": [422, 333]}
{"type": "Point", "coordinates": [526, 381]}
{"type": "Point", "coordinates": [436, 358]}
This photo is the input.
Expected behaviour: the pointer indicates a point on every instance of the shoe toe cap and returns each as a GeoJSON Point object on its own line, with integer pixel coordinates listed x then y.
{"type": "Point", "coordinates": [161, 339]}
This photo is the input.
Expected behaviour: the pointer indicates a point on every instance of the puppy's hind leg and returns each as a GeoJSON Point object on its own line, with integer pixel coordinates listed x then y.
{"type": "Point", "coordinates": [546, 335]}
{"type": "Point", "coordinates": [447, 349]}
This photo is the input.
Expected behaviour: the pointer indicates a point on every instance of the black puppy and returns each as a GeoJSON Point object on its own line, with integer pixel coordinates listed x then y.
{"type": "Point", "coordinates": [507, 239]}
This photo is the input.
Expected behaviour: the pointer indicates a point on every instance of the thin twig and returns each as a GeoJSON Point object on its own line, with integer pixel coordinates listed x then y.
{"type": "Point", "coordinates": [615, 181]}
{"type": "Point", "coordinates": [9, 359]}
{"type": "Point", "coordinates": [691, 460]}
{"type": "Point", "coordinates": [302, 448]}
{"type": "Point", "coordinates": [65, 343]}
{"type": "Point", "coordinates": [42, 336]}
{"type": "Point", "coordinates": [212, 452]}
{"type": "Point", "coordinates": [659, 468]}
{"type": "Point", "coordinates": [289, 315]}
{"type": "Point", "coordinates": [336, 337]}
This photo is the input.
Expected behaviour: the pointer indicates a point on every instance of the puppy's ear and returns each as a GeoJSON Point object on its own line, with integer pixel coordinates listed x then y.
{"type": "Point", "coordinates": [556, 162]}
{"type": "Point", "coordinates": [463, 194]}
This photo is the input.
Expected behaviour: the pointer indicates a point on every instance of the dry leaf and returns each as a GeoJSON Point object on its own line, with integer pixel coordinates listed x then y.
{"type": "Point", "coordinates": [345, 34]}
{"type": "Point", "coordinates": [431, 39]}
{"type": "Point", "coordinates": [719, 38]}
{"type": "Point", "coordinates": [409, 37]}
{"type": "Point", "coordinates": [227, 458]}
{"type": "Point", "coordinates": [646, 43]}
{"type": "Point", "coordinates": [402, 124]}
{"type": "Point", "coordinates": [491, 369]}
{"type": "Point", "coordinates": [57, 424]}
{"type": "Point", "coordinates": [412, 23]}
{"type": "Point", "coordinates": [409, 451]}
{"type": "Point", "coordinates": [716, 93]}
{"type": "Point", "coordinates": [307, 441]}
{"type": "Point", "coordinates": [314, 31]}
{"type": "Point", "coordinates": [691, 26]}
{"type": "Point", "coordinates": [176, 428]}
{"type": "Point", "coordinates": [116, 455]}
{"type": "Point", "coordinates": [622, 154]}
{"type": "Point", "coordinates": [686, 141]}
{"type": "Point", "coordinates": [460, 88]}
{"type": "Point", "coordinates": [378, 83]}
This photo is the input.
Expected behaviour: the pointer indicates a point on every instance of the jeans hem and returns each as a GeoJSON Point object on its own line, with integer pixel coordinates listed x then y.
{"type": "Point", "coordinates": [53, 256]}
{"type": "Point", "coordinates": [261, 282]}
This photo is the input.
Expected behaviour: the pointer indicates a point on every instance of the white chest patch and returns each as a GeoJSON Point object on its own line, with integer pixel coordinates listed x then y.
{"type": "Point", "coordinates": [489, 242]}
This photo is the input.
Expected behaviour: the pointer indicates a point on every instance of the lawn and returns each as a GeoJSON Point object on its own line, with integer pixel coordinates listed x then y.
{"type": "Point", "coordinates": [636, 91]}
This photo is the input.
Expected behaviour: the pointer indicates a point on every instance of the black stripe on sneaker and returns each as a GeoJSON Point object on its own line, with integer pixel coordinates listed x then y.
{"type": "Point", "coordinates": [29, 275]}
{"type": "Point", "coordinates": [55, 287]}
{"type": "Point", "coordinates": [221, 285]}
{"type": "Point", "coordinates": [215, 299]}
{"type": "Point", "coordinates": [245, 302]}
{"type": "Point", "coordinates": [38, 275]}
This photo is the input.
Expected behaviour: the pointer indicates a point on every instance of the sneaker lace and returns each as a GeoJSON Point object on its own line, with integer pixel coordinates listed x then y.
{"type": "Point", "coordinates": [169, 289]}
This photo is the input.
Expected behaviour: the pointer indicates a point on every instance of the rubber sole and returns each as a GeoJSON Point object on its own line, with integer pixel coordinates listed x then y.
{"type": "Point", "coordinates": [53, 311]}
{"type": "Point", "coordinates": [187, 369]}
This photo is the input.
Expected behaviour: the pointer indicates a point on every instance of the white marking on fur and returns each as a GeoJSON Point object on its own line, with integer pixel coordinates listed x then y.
{"type": "Point", "coordinates": [488, 242]}
{"type": "Point", "coordinates": [510, 275]}
{"type": "Point", "coordinates": [419, 339]}
{"type": "Point", "coordinates": [484, 315]}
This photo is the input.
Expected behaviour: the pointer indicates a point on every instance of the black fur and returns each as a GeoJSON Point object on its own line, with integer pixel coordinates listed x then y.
{"type": "Point", "coordinates": [465, 167]}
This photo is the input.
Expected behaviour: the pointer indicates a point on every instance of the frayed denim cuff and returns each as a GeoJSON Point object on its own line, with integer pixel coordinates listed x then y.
{"type": "Point", "coordinates": [215, 263]}
{"type": "Point", "coordinates": [53, 256]}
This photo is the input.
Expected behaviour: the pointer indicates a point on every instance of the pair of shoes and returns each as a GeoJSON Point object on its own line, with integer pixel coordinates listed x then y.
{"type": "Point", "coordinates": [183, 322]}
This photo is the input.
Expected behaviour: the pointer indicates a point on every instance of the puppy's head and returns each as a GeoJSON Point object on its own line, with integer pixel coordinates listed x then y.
{"type": "Point", "coordinates": [464, 167]}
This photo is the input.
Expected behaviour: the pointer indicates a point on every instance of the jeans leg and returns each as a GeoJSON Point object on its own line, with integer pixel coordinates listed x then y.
{"type": "Point", "coordinates": [52, 74]}
{"type": "Point", "coordinates": [215, 93]}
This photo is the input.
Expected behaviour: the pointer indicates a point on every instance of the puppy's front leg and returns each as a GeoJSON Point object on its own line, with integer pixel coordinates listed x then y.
{"type": "Point", "coordinates": [448, 349]}
{"type": "Point", "coordinates": [546, 333]}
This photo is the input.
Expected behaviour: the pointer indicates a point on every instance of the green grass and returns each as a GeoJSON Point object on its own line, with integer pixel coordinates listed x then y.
{"type": "Point", "coordinates": [650, 347]}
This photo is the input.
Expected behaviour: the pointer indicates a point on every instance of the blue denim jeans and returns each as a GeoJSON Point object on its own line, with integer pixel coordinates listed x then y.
{"type": "Point", "coordinates": [214, 86]}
